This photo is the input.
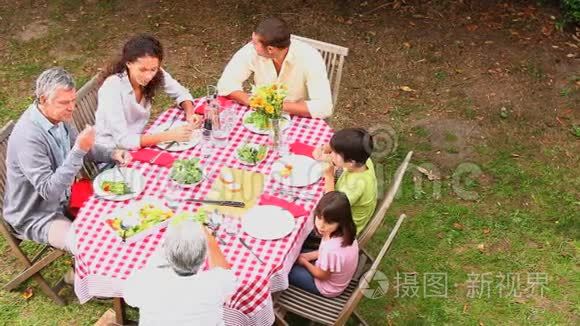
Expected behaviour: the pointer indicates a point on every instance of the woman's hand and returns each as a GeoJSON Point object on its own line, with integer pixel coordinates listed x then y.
{"type": "Point", "coordinates": [181, 133]}
{"type": "Point", "coordinates": [195, 120]}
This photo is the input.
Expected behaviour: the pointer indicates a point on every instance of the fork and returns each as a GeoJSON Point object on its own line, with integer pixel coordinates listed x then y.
{"type": "Point", "coordinates": [122, 174]}
{"type": "Point", "coordinates": [172, 122]}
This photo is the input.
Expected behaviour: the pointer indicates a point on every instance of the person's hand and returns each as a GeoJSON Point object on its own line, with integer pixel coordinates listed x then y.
{"type": "Point", "coordinates": [195, 120]}
{"type": "Point", "coordinates": [302, 261]}
{"type": "Point", "coordinates": [329, 170]}
{"type": "Point", "coordinates": [122, 157]}
{"type": "Point", "coordinates": [309, 256]}
{"type": "Point", "coordinates": [181, 133]}
{"type": "Point", "coordinates": [86, 138]}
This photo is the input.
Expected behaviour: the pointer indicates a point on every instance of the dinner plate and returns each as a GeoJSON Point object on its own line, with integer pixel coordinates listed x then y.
{"type": "Point", "coordinates": [268, 222]}
{"type": "Point", "coordinates": [134, 178]}
{"type": "Point", "coordinates": [284, 124]}
{"type": "Point", "coordinates": [179, 146]}
{"type": "Point", "coordinates": [297, 170]}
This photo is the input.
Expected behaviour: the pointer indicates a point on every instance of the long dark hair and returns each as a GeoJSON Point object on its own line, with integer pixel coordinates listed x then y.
{"type": "Point", "coordinates": [139, 46]}
{"type": "Point", "coordinates": [334, 207]}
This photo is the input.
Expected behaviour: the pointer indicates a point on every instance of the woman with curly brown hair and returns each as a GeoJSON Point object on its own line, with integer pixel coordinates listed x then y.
{"type": "Point", "coordinates": [128, 89]}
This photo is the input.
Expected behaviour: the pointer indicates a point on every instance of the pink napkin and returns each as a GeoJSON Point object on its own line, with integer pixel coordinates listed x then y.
{"type": "Point", "coordinates": [301, 149]}
{"type": "Point", "coordinates": [294, 209]}
{"type": "Point", "coordinates": [146, 154]}
{"type": "Point", "coordinates": [224, 102]}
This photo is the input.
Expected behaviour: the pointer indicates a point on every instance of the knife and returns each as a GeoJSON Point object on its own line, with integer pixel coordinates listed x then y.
{"type": "Point", "coordinates": [250, 249]}
{"type": "Point", "coordinates": [230, 203]}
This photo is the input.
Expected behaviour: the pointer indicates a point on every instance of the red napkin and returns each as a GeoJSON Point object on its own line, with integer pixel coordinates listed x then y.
{"type": "Point", "coordinates": [294, 209]}
{"type": "Point", "coordinates": [224, 102]}
{"type": "Point", "coordinates": [301, 148]}
{"type": "Point", "coordinates": [146, 154]}
{"type": "Point", "coordinates": [80, 192]}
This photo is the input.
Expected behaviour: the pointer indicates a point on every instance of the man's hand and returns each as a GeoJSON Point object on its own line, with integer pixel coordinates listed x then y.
{"type": "Point", "coordinates": [122, 157]}
{"type": "Point", "coordinates": [86, 138]}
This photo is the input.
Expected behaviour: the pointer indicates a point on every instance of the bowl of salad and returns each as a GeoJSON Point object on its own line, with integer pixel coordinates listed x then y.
{"type": "Point", "coordinates": [186, 173]}
{"type": "Point", "coordinates": [251, 154]}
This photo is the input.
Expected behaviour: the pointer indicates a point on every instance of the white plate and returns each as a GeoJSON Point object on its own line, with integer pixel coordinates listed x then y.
{"type": "Point", "coordinates": [256, 146]}
{"type": "Point", "coordinates": [130, 215]}
{"type": "Point", "coordinates": [305, 170]}
{"type": "Point", "coordinates": [180, 146]}
{"type": "Point", "coordinates": [133, 177]}
{"type": "Point", "coordinates": [268, 222]}
{"type": "Point", "coordinates": [284, 124]}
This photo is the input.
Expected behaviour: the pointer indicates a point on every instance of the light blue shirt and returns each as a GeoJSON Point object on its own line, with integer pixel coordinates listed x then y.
{"type": "Point", "coordinates": [38, 177]}
{"type": "Point", "coordinates": [57, 131]}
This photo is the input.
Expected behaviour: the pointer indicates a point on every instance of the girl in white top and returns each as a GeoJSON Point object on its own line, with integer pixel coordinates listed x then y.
{"type": "Point", "coordinates": [124, 100]}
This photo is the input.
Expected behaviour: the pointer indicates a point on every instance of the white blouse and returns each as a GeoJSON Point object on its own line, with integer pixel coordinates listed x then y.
{"type": "Point", "coordinates": [120, 120]}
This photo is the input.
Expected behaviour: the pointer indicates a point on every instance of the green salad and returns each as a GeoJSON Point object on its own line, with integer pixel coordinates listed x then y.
{"type": "Point", "coordinates": [116, 187]}
{"type": "Point", "coordinates": [186, 172]}
{"type": "Point", "coordinates": [259, 121]}
{"type": "Point", "coordinates": [252, 153]}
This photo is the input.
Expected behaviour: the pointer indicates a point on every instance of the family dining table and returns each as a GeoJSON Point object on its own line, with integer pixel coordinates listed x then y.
{"type": "Point", "coordinates": [104, 261]}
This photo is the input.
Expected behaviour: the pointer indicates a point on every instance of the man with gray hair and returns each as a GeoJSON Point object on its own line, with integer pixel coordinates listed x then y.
{"type": "Point", "coordinates": [171, 289]}
{"type": "Point", "coordinates": [44, 155]}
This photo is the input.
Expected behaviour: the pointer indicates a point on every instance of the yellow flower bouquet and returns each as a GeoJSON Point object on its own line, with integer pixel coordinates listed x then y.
{"type": "Point", "coordinates": [267, 102]}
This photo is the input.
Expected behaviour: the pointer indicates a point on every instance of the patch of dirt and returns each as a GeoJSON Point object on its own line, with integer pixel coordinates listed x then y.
{"type": "Point", "coordinates": [452, 141]}
{"type": "Point", "coordinates": [35, 30]}
{"type": "Point", "coordinates": [500, 246]}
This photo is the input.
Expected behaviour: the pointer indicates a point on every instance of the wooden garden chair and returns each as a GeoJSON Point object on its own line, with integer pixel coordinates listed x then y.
{"type": "Point", "coordinates": [84, 114]}
{"type": "Point", "coordinates": [333, 311]}
{"type": "Point", "coordinates": [336, 311]}
{"type": "Point", "coordinates": [45, 256]}
{"type": "Point", "coordinates": [333, 56]}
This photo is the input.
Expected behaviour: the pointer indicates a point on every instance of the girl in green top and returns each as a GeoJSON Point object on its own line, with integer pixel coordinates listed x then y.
{"type": "Point", "coordinates": [350, 149]}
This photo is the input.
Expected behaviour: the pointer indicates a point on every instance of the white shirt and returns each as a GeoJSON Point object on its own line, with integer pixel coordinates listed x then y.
{"type": "Point", "coordinates": [303, 71]}
{"type": "Point", "coordinates": [165, 298]}
{"type": "Point", "coordinates": [120, 120]}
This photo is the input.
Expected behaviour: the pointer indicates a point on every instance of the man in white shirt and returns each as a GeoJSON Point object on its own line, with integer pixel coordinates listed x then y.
{"type": "Point", "coordinates": [272, 57]}
{"type": "Point", "coordinates": [171, 289]}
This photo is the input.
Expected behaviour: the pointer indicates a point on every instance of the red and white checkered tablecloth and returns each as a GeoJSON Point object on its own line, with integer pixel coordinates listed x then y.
{"type": "Point", "coordinates": [103, 261]}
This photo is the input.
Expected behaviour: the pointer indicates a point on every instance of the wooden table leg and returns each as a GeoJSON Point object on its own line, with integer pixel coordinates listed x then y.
{"type": "Point", "coordinates": [119, 307]}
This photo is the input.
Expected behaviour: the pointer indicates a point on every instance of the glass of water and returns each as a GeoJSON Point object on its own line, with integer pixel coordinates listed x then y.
{"type": "Point", "coordinates": [231, 225]}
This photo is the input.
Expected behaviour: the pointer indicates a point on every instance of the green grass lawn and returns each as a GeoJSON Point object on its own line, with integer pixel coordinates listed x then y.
{"type": "Point", "coordinates": [508, 255]}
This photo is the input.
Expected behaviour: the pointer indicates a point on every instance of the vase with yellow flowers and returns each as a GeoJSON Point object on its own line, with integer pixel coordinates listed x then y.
{"type": "Point", "coordinates": [267, 102]}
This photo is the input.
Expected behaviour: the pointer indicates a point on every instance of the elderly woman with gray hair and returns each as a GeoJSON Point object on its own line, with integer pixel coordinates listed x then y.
{"type": "Point", "coordinates": [44, 155]}
{"type": "Point", "coordinates": [173, 290]}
